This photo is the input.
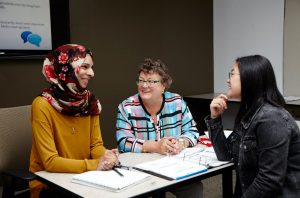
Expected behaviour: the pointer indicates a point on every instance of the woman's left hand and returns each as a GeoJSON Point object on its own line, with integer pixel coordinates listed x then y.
{"type": "Point", "coordinates": [108, 160]}
{"type": "Point", "coordinates": [168, 145]}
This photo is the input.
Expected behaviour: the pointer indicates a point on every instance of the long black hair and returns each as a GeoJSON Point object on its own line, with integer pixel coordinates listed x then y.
{"type": "Point", "coordinates": [258, 85]}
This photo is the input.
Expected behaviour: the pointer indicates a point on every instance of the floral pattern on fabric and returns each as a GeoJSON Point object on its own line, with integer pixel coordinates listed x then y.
{"type": "Point", "coordinates": [60, 69]}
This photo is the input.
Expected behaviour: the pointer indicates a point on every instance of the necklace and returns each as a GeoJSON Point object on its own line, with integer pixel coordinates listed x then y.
{"type": "Point", "coordinates": [71, 126]}
{"type": "Point", "coordinates": [73, 130]}
{"type": "Point", "coordinates": [155, 120]}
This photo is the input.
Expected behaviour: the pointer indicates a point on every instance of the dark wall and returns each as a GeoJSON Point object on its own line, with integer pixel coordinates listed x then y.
{"type": "Point", "coordinates": [121, 34]}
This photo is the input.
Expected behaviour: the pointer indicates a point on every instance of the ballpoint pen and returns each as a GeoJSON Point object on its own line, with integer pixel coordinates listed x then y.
{"type": "Point", "coordinates": [118, 172]}
{"type": "Point", "coordinates": [123, 167]}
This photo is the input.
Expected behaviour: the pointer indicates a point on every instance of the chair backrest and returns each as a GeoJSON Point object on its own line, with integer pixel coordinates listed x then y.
{"type": "Point", "coordinates": [15, 138]}
{"type": "Point", "coordinates": [298, 123]}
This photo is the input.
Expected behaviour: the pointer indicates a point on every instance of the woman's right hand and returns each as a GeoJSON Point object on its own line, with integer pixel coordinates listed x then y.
{"type": "Point", "coordinates": [167, 145]}
{"type": "Point", "coordinates": [218, 106]}
{"type": "Point", "coordinates": [108, 160]}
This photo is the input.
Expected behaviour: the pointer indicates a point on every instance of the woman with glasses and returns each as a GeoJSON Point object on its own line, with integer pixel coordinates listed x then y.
{"type": "Point", "coordinates": [265, 142]}
{"type": "Point", "coordinates": [66, 134]}
{"type": "Point", "coordinates": [153, 120]}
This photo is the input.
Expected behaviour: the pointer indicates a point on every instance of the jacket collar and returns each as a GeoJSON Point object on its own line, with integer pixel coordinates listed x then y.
{"type": "Point", "coordinates": [247, 123]}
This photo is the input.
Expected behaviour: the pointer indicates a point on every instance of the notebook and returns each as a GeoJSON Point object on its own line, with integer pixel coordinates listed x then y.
{"type": "Point", "coordinates": [171, 168]}
{"type": "Point", "coordinates": [198, 155]}
{"type": "Point", "coordinates": [110, 180]}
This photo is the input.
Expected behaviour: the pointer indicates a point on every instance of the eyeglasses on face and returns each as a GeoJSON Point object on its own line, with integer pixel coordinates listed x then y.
{"type": "Point", "coordinates": [230, 74]}
{"type": "Point", "coordinates": [149, 83]}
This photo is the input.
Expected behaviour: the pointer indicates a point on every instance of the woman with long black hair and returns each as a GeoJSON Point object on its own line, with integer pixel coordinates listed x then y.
{"type": "Point", "coordinates": [265, 142]}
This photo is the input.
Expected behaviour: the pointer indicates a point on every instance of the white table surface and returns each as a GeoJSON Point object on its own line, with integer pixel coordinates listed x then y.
{"type": "Point", "coordinates": [129, 159]}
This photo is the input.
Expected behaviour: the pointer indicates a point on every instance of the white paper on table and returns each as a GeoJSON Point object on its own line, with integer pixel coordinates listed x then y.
{"type": "Point", "coordinates": [171, 167]}
{"type": "Point", "coordinates": [110, 180]}
{"type": "Point", "coordinates": [198, 155]}
{"type": "Point", "coordinates": [226, 133]}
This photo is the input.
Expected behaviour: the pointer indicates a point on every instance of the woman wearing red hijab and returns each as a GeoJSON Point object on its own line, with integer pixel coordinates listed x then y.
{"type": "Point", "coordinates": [66, 134]}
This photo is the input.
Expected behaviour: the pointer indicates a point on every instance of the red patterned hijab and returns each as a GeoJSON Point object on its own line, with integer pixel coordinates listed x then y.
{"type": "Point", "coordinates": [65, 94]}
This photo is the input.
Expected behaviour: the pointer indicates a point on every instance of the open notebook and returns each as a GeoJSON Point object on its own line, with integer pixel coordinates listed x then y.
{"type": "Point", "coordinates": [171, 168]}
{"type": "Point", "coordinates": [198, 155]}
{"type": "Point", "coordinates": [110, 180]}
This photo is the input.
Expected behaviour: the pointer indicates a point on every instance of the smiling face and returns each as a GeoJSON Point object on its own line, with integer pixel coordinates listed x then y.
{"type": "Point", "coordinates": [85, 71]}
{"type": "Point", "coordinates": [234, 83]}
{"type": "Point", "coordinates": [148, 92]}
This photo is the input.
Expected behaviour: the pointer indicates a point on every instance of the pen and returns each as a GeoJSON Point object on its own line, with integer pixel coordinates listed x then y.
{"type": "Point", "coordinates": [119, 173]}
{"type": "Point", "coordinates": [123, 167]}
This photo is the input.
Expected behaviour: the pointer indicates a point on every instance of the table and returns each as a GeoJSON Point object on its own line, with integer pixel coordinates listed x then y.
{"type": "Point", "coordinates": [155, 185]}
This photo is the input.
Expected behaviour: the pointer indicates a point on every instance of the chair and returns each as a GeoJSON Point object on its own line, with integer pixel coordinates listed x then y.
{"type": "Point", "coordinates": [15, 145]}
{"type": "Point", "coordinates": [298, 123]}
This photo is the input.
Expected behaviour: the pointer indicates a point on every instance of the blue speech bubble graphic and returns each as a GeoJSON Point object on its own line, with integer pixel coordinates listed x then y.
{"type": "Point", "coordinates": [24, 35]}
{"type": "Point", "coordinates": [34, 39]}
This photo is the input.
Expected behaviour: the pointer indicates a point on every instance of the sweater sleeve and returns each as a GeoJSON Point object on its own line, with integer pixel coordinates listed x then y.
{"type": "Point", "coordinates": [97, 146]}
{"type": "Point", "coordinates": [189, 129]}
{"type": "Point", "coordinates": [126, 139]}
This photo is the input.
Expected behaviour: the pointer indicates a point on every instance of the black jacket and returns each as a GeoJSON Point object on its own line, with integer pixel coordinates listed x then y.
{"type": "Point", "coordinates": [266, 152]}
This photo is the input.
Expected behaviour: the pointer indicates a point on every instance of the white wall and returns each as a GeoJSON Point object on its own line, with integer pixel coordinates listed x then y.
{"type": "Point", "coordinates": [291, 48]}
{"type": "Point", "coordinates": [247, 27]}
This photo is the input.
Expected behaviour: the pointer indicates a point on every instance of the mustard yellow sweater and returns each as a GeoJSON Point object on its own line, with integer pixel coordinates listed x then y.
{"type": "Point", "coordinates": [62, 143]}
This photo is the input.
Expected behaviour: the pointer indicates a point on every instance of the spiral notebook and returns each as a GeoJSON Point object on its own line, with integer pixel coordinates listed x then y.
{"type": "Point", "coordinates": [171, 168]}
{"type": "Point", "coordinates": [110, 180]}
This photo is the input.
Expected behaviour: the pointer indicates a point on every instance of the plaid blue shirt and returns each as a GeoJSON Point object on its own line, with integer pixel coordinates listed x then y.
{"type": "Point", "coordinates": [134, 123]}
